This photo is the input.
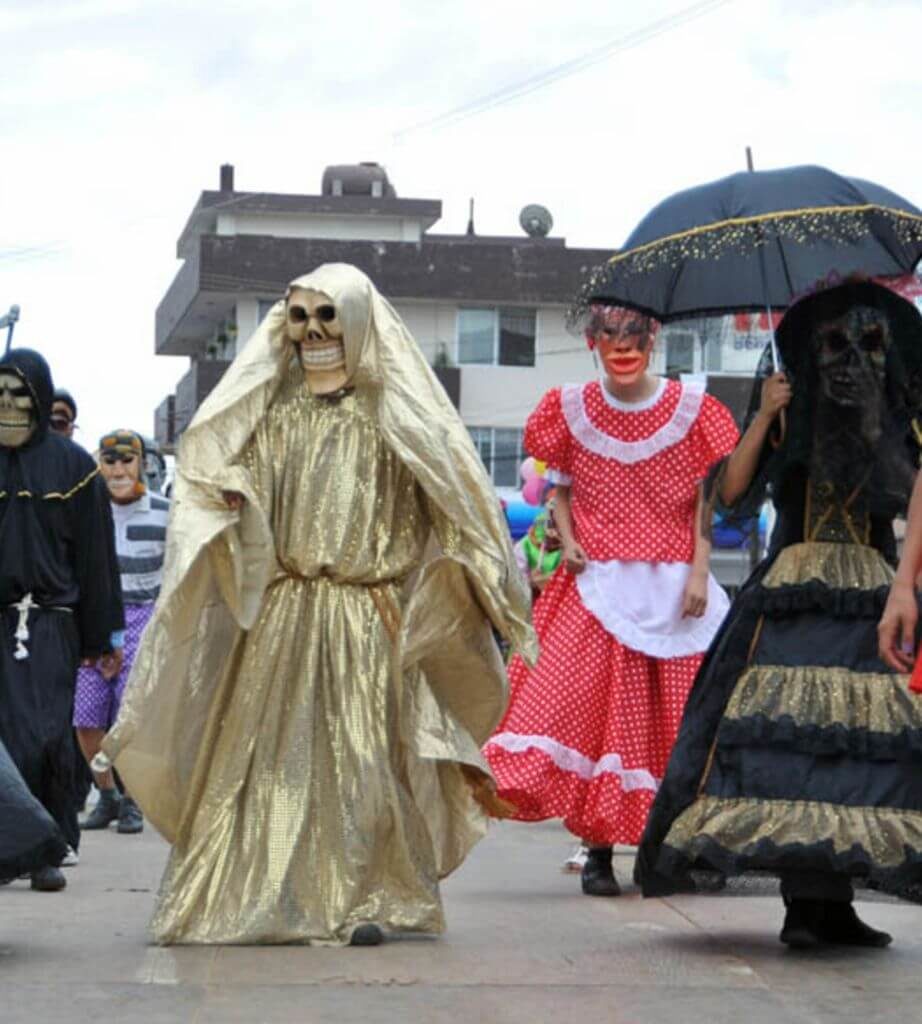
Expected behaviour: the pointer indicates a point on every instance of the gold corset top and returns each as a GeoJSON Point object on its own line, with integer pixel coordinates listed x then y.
{"type": "Point", "coordinates": [832, 516]}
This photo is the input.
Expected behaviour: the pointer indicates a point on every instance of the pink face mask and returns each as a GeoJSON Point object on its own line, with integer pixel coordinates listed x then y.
{"type": "Point", "coordinates": [624, 339]}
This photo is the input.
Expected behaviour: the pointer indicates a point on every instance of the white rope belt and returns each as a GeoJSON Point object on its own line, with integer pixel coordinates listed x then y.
{"type": "Point", "coordinates": [21, 634]}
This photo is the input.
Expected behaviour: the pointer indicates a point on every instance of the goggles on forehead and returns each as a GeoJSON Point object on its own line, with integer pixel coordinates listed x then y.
{"type": "Point", "coordinates": [110, 458]}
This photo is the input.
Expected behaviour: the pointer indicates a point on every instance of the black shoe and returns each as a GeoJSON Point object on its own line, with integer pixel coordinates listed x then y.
{"type": "Point", "coordinates": [597, 876]}
{"type": "Point", "coordinates": [708, 881]}
{"type": "Point", "coordinates": [130, 818]}
{"type": "Point", "coordinates": [841, 926]}
{"type": "Point", "coordinates": [367, 935]}
{"type": "Point", "coordinates": [105, 811]}
{"type": "Point", "coordinates": [48, 880]}
{"type": "Point", "coordinates": [801, 928]}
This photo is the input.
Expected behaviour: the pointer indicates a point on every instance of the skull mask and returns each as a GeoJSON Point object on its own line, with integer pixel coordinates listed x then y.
{"type": "Point", "coordinates": [17, 410]}
{"type": "Point", "coordinates": [315, 328]}
{"type": "Point", "coordinates": [851, 356]}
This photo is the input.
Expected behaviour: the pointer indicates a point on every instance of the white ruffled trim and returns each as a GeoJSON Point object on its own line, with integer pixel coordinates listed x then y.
{"type": "Point", "coordinates": [559, 479]}
{"type": "Point", "coordinates": [597, 441]}
{"type": "Point", "coordinates": [640, 605]}
{"type": "Point", "coordinates": [570, 760]}
{"type": "Point", "coordinates": [647, 403]}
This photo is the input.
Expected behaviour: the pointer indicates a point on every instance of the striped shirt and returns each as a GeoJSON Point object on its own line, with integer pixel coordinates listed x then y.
{"type": "Point", "coordinates": [140, 542]}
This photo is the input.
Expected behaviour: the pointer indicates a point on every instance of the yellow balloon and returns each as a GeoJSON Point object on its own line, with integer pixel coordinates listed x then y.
{"type": "Point", "coordinates": [540, 467]}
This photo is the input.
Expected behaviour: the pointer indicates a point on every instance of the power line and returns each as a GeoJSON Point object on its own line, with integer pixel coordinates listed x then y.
{"type": "Point", "coordinates": [571, 67]}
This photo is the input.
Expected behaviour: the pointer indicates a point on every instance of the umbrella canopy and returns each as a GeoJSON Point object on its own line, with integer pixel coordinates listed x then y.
{"type": "Point", "coordinates": [757, 239]}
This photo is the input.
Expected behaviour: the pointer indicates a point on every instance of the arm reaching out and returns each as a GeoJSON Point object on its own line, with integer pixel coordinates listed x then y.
{"type": "Point", "coordinates": [896, 632]}
{"type": "Point", "coordinates": [742, 464]}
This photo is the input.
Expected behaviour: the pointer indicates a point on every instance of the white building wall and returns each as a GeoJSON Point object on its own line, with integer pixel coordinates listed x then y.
{"type": "Point", "coordinates": [247, 319]}
{"type": "Point", "coordinates": [501, 396]}
{"type": "Point", "coordinates": [432, 324]}
{"type": "Point", "coordinates": [504, 396]}
{"type": "Point", "coordinates": [343, 228]}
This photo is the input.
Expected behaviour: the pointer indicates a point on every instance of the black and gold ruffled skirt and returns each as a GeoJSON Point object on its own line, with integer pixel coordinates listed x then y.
{"type": "Point", "coordinates": [800, 750]}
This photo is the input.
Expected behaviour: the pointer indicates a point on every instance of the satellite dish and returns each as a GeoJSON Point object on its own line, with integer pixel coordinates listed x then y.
{"type": "Point", "coordinates": [536, 221]}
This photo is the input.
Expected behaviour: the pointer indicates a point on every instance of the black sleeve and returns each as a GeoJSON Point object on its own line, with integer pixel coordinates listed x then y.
{"type": "Point", "coordinates": [100, 610]}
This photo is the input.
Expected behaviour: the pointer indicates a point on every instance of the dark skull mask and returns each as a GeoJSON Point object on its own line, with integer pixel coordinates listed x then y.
{"type": "Point", "coordinates": [851, 356]}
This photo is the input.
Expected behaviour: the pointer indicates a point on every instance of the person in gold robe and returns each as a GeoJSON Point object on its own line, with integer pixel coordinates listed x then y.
{"type": "Point", "coordinates": [304, 718]}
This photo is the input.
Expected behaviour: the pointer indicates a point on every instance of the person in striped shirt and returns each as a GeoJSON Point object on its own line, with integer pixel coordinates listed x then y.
{"type": "Point", "coordinates": [140, 521]}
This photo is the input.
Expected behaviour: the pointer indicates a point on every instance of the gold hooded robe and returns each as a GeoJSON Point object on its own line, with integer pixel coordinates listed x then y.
{"type": "Point", "coordinates": [307, 706]}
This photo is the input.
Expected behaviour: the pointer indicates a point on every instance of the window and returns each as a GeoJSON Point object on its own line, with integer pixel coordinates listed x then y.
{"type": "Point", "coordinates": [680, 352]}
{"type": "Point", "coordinates": [500, 449]}
{"type": "Point", "coordinates": [729, 345]}
{"type": "Point", "coordinates": [714, 351]}
{"type": "Point", "coordinates": [476, 335]}
{"type": "Point", "coordinates": [496, 337]}
{"type": "Point", "coordinates": [516, 337]}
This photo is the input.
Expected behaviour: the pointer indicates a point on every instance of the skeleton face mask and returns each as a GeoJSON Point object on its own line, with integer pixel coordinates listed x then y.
{"type": "Point", "coordinates": [17, 413]}
{"type": "Point", "coordinates": [315, 328]}
{"type": "Point", "coordinates": [851, 356]}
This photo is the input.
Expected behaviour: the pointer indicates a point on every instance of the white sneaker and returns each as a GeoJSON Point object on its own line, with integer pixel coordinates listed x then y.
{"type": "Point", "coordinates": [71, 858]}
{"type": "Point", "coordinates": [574, 863]}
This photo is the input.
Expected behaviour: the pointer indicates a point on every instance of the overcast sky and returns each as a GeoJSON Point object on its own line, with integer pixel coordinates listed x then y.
{"type": "Point", "coordinates": [115, 114]}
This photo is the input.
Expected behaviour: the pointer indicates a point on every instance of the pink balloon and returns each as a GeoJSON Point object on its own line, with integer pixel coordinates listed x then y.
{"type": "Point", "coordinates": [528, 470]}
{"type": "Point", "coordinates": [533, 491]}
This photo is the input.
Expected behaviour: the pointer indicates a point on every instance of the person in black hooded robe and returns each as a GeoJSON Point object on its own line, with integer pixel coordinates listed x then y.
{"type": "Point", "coordinates": [60, 597]}
{"type": "Point", "coordinates": [29, 838]}
{"type": "Point", "coordinates": [800, 751]}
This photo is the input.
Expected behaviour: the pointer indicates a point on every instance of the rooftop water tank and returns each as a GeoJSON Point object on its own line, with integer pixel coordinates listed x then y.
{"type": "Point", "coordinates": [365, 179]}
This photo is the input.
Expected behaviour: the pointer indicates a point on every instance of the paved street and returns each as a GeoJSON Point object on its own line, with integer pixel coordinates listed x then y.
{"type": "Point", "coordinates": [522, 946]}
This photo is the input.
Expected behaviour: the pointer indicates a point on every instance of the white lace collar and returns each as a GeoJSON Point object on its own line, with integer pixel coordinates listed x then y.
{"type": "Point", "coordinates": [670, 433]}
{"type": "Point", "coordinates": [642, 406]}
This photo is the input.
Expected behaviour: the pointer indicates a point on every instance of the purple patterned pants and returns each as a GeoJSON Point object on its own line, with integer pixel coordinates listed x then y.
{"type": "Point", "coordinates": [96, 701]}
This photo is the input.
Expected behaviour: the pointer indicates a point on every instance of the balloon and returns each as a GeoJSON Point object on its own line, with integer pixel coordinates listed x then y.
{"type": "Point", "coordinates": [533, 491]}
{"type": "Point", "coordinates": [540, 467]}
{"type": "Point", "coordinates": [528, 471]}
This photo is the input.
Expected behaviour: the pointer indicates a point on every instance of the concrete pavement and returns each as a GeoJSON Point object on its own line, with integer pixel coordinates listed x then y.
{"type": "Point", "coordinates": [522, 946]}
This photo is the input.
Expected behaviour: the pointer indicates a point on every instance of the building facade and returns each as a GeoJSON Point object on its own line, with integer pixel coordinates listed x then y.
{"type": "Point", "coordinates": [488, 311]}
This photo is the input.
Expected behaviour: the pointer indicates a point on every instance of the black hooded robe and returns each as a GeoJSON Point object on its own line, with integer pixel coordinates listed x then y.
{"type": "Point", "coordinates": [800, 751]}
{"type": "Point", "coordinates": [57, 545]}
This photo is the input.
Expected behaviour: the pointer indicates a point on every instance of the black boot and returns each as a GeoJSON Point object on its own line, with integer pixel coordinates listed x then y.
{"type": "Point", "coordinates": [801, 928]}
{"type": "Point", "coordinates": [841, 926]}
{"type": "Point", "coordinates": [367, 935]}
{"type": "Point", "coordinates": [105, 811]}
{"type": "Point", "coordinates": [597, 876]}
{"type": "Point", "coordinates": [130, 818]}
{"type": "Point", "coordinates": [48, 879]}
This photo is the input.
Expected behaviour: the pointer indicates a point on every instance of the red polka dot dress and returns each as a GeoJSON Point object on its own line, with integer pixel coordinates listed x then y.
{"type": "Point", "coordinates": [589, 730]}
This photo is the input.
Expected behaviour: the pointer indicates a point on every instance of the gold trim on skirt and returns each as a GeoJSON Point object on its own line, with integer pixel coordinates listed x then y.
{"type": "Point", "coordinates": [814, 695]}
{"type": "Point", "coordinates": [737, 825]}
{"type": "Point", "coordinates": [838, 566]}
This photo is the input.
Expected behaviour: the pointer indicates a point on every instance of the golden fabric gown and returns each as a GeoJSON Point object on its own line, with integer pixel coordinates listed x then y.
{"type": "Point", "coordinates": [306, 708]}
{"type": "Point", "coordinates": [307, 810]}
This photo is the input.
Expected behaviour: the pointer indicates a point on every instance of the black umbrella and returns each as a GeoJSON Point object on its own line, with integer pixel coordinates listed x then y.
{"type": "Point", "coordinates": [757, 239]}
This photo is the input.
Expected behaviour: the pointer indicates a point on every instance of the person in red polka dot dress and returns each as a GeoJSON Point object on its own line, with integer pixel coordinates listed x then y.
{"type": "Point", "coordinates": [625, 621]}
